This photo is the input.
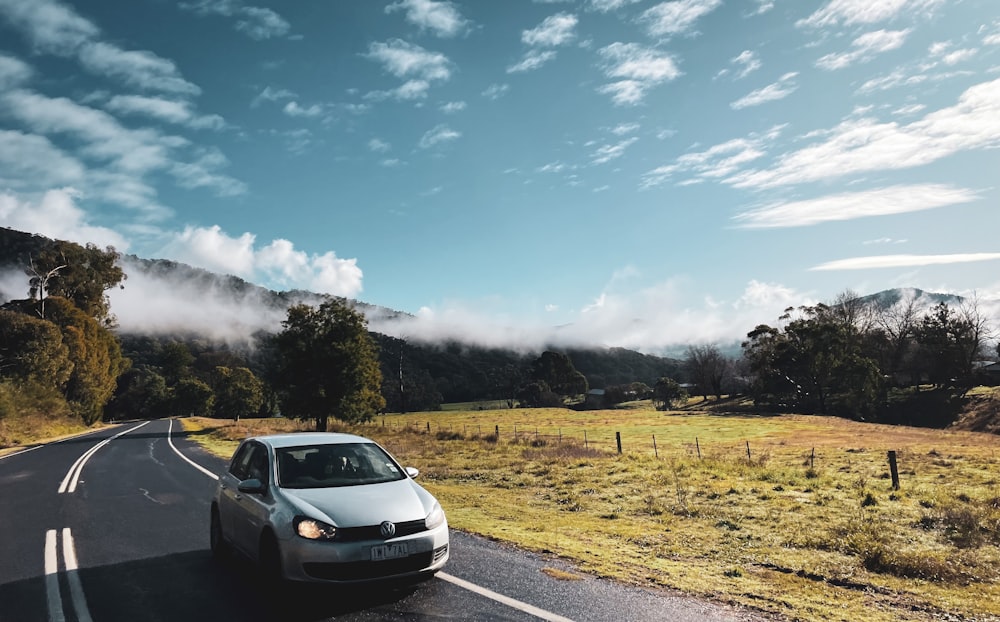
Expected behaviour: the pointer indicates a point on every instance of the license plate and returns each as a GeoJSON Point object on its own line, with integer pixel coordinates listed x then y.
{"type": "Point", "coordinates": [389, 551]}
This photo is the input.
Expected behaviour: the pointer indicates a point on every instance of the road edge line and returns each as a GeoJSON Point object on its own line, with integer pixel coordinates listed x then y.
{"type": "Point", "coordinates": [505, 600]}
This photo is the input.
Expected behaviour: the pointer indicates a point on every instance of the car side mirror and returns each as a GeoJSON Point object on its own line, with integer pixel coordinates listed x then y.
{"type": "Point", "coordinates": [252, 486]}
{"type": "Point", "coordinates": [412, 472]}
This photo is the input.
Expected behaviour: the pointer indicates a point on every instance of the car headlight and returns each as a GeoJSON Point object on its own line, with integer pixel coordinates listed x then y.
{"type": "Point", "coordinates": [312, 529]}
{"type": "Point", "coordinates": [435, 518]}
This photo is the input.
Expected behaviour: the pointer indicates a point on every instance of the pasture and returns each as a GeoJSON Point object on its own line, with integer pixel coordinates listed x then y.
{"type": "Point", "coordinates": [790, 515]}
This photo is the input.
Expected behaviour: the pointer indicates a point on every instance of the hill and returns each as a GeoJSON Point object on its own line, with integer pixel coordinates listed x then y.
{"type": "Point", "coordinates": [227, 315]}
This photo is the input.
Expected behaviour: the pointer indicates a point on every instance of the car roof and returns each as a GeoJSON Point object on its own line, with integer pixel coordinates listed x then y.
{"type": "Point", "coordinates": [298, 439]}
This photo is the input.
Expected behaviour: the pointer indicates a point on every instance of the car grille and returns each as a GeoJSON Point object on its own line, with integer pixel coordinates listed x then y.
{"type": "Point", "coordinates": [355, 571]}
{"type": "Point", "coordinates": [372, 532]}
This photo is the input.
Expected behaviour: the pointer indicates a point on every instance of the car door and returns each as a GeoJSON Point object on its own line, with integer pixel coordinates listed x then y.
{"type": "Point", "coordinates": [229, 492]}
{"type": "Point", "coordinates": [252, 510]}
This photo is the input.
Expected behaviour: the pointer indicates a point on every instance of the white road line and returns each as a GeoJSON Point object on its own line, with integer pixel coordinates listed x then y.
{"type": "Point", "coordinates": [170, 429]}
{"type": "Point", "coordinates": [506, 600]}
{"type": "Point", "coordinates": [73, 576]}
{"type": "Point", "coordinates": [62, 440]}
{"type": "Point", "coordinates": [72, 478]}
{"type": "Point", "coordinates": [52, 578]}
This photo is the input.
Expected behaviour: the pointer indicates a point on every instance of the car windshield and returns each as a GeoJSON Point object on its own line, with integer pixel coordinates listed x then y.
{"type": "Point", "coordinates": [325, 466]}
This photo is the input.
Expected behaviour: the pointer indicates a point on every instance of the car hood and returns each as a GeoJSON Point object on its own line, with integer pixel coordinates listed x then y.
{"type": "Point", "coordinates": [359, 506]}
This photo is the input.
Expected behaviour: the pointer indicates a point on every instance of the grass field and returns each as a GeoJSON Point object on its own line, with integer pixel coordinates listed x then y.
{"type": "Point", "coordinates": [807, 527]}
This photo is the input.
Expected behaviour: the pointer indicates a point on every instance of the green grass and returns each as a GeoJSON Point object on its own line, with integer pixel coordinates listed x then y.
{"type": "Point", "coordinates": [824, 538]}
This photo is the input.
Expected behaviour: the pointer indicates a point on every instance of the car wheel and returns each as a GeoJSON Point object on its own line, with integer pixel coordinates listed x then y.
{"type": "Point", "coordinates": [216, 539]}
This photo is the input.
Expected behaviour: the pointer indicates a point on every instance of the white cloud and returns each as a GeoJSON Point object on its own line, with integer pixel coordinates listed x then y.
{"type": "Point", "coordinates": [855, 12]}
{"type": "Point", "coordinates": [717, 161]}
{"type": "Point", "coordinates": [554, 30]}
{"type": "Point", "coordinates": [278, 263]}
{"type": "Point", "coordinates": [293, 109]}
{"type": "Point", "coordinates": [13, 72]}
{"type": "Point", "coordinates": [781, 89]}
{"type": "Point", "coordinates": [904, 261]}
{"type": "Point", "coordinates": [55, 28]}
{"type": "Point", "coordinates": [56, 215]}
{"type": "Point", "coordinates": [33, 161]}
{"type": "Point", "coordinates": [403, 60]}
{"type": "Point", "coordinates": [533, 59]}
{"type": "Point", "coordinates": [442, 18]}
{"type": "Point", "coordinates": [272, 95]}
{"type": "Point", "coordinates": [203, 173]}
{"type": "Point", "coordinates": [748, 62]}
{"type": "Point", "coordinates": [864, 48]}
{"type": "Point", "coordinates": [453, 107]}
{"type": "Point", "coordinates": [647, 319]}
{"type": "Point", "coordinates": [169, 110]}
{"type": "Point", "coordinates": [606, 153]}
{"type": "Point", "coordinates": [853, 205]}
{"type": "Point", "coordinates": [256, 22]}
{"type": "Point", "coordinates": [605, 6]}
{"type": "Point", "coordinates": [863, 145]}
{"type": "Point", "coordinates": [635, 70]}
{"type": "Point", "coordinates": [378, 145]}
{"type": "Point", "coordinates": [677, 17]}
{"type": "Point", "coordinates": [52, 27]}
{"type": "Point", "coordinates": [625, 128]}
{"type": "Point", "coordinates": [437, 135]}
{"type": "Point", "coordinates": [496, 91]}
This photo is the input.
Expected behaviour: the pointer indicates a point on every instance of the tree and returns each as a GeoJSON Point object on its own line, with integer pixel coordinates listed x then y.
{"type": "Point", "coordinates": [141, 394]}
{"type": "Point", "coordinates": [192, 398]}
{"type": "Point", "coordinates": [80, 274]}
{"type": "Point", "coordinates": [950, 341]}
{"type": "Point", "coordinates": [557, 371]}
{"type": "Point", "coordinates": [238, 392]}
{"type": "Point", "coordinates": [327, 365]}
{"type": "Point", "coordinates": [32, 350]}
{"type": "Point", "coordinates": [666, 393]}
{"type": "Point", "coordinates": [708, 368]}
{"type": "Point", "coordinates": [816, 363]}
{"type": "Point", "coordinates": [537, 394]}
{"type": "Point", "coordinates": [96, 357]}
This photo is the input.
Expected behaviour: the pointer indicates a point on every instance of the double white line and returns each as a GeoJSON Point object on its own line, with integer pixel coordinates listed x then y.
{"type": "Point", "coordinates": [52, 591]}
{"type": "Point", "coordinates": [73, 475]}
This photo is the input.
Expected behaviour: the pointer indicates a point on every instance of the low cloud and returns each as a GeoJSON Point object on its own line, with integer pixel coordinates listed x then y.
{"type": "Point", "coordinates": [650, 320]}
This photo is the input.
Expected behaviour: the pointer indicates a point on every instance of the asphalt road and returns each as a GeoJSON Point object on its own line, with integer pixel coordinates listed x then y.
{"type": "Point", "coordinates": [113, 525]}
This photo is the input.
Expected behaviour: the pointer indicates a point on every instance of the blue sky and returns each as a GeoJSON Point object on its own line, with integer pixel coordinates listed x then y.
{"type": "Point", "coordinates": [638, 173]}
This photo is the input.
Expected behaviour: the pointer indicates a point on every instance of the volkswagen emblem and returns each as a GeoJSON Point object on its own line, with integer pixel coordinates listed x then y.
{"type": "Point", "coordinates": [387, 529]}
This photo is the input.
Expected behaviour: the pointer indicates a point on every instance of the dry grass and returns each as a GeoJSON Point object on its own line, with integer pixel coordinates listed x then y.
{"type": "Point", "coordinates": [809, 536]}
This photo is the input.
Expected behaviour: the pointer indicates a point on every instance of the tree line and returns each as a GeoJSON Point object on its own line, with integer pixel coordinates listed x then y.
{"type": "Point", "coordinates": [853, 357]}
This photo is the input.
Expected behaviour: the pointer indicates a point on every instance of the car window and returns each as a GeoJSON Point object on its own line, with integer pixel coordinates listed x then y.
{"type": "Point", "coordinates": [257, 466]}
{"type": "Point", "coordinates": [344, 464]}
{"type": "Point", "coordinates": [241, 461]}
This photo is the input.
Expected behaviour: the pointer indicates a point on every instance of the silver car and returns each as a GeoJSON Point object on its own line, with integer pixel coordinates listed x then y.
{"type": "Point", "coordinates": [322, 507]}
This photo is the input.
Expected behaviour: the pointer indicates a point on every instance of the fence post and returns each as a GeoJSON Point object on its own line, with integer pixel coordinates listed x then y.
{"type": "Point", "coordinates": [812, 459]}
{"type": "Point", "coordinates": [428, 427]}
{"type": "Point", "coordinates": [618, 437]}
{"type": "Point", "coordinates": [656, 454]}
{"type": "Point", "coordinates": [749, 459]}
{"type": "Point", "coordinates": [698, 447]}
{"type": "Point", "coordinates": [585, 438]}
{"type": "Point", "coordinates": [497, 430]}
{"type": "Point", "coordinates": [893, 470]}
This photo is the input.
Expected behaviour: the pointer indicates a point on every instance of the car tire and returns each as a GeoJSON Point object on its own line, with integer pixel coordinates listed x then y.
{"type": "Point", "coordinates": [216, 539]}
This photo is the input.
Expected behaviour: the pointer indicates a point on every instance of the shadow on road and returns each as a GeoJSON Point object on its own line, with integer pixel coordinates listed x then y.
{"type": "Point", "coordinates": [189, 587]}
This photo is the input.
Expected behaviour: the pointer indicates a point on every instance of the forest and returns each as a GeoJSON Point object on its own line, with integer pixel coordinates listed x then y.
{"type": "Point", "coordinates": [874, 358]}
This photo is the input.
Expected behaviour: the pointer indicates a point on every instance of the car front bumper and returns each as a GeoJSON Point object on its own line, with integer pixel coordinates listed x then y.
{"type": "Point", "coordinates": [352, 562]}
